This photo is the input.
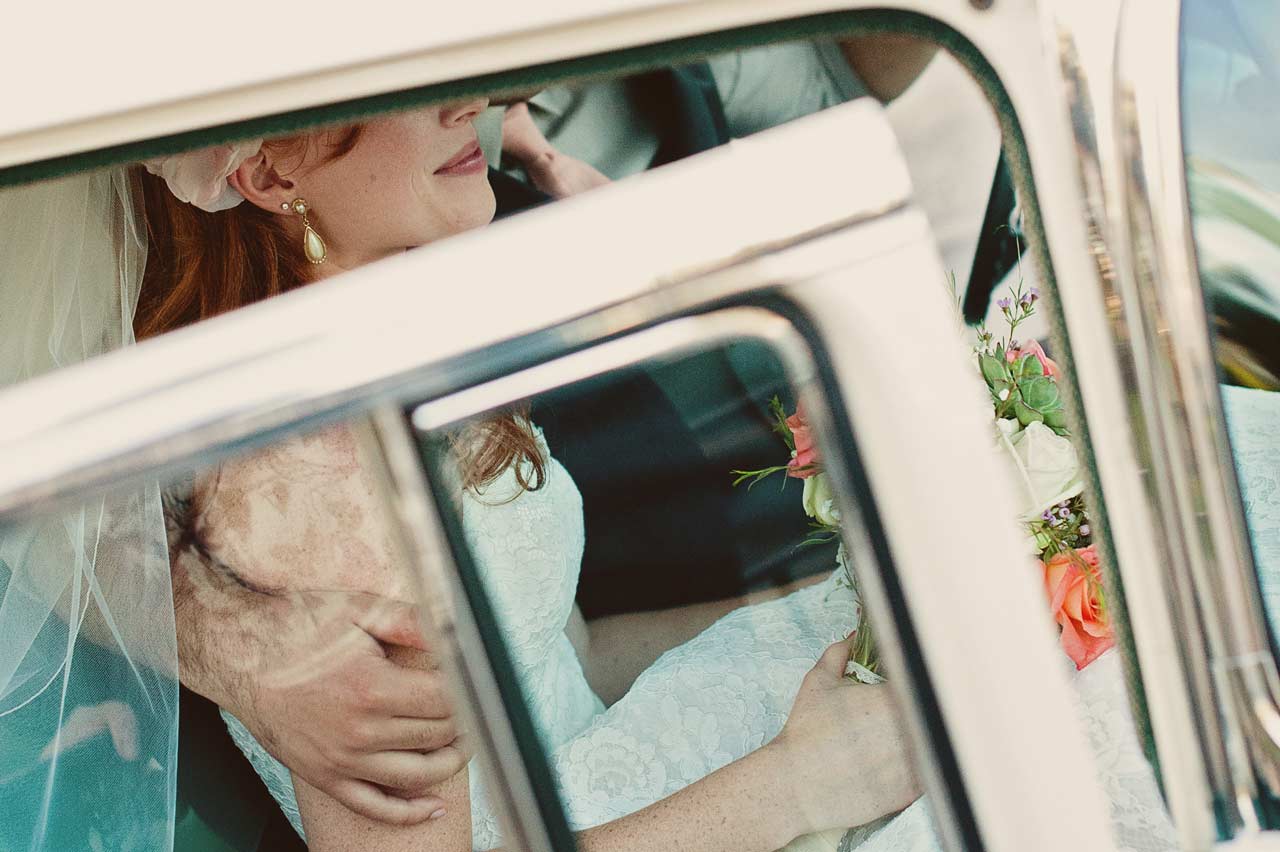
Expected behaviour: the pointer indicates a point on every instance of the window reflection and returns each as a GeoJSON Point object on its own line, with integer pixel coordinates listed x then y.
{"type": "Point", "coordinates": [88, 678]}
{"type": "Point", "coordinates": [1231, 127]}
{"type": "Point", "coordinates": [1231, 120]}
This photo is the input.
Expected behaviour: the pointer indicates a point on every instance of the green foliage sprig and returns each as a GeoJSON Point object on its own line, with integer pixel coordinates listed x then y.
{"type": "Point", "coordinates": [1019, 387]}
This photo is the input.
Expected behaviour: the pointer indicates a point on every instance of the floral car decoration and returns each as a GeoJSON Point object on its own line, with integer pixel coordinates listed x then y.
{"type": "Point", "coordinates": [1031, 435]}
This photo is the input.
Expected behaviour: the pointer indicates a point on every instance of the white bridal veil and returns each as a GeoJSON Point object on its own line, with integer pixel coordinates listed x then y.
{"type": "Point", "coordinates": [88, 660]}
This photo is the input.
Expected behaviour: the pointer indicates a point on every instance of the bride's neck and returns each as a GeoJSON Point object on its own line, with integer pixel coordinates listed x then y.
{"type": "Point", "coordinates": [336, 264]}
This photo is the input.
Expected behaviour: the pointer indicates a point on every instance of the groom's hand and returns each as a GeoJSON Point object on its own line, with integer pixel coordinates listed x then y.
{"type": "Point", "coordinates": [554, 172]}
{"type": "Point", "coordinates": [338, 711]}
{"type": "Point", "coordinates": [312, 677]}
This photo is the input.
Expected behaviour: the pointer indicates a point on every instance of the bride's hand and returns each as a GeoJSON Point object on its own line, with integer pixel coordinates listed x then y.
{"type": "Point", "coordinates": [842, 750]}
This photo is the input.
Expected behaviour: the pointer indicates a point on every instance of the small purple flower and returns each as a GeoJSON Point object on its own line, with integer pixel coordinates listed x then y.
{"type": "Point", "coordinates": [1064, 512]}
{"type": "Point", "coordinates": [1047, 514]}
{"type": "Point", "coordinates": [1004, 304]}
{"type": "Point", "coordinates": [1084, 529]}
{"type": "Point", "coordinates": [1026, 300]}
{"type": "Point", "coordinates": [1035, 293]}
{"type": "Point", "coordinates": [1053, 522]}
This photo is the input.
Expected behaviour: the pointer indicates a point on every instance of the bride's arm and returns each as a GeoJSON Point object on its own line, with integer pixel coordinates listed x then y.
{"type": "Point", "coordinates": [737, 809]}
{"type": "Point", "coordinates": [747, 806]}
{"type": "Point", "coordinates": [615, 649]}
{"type": "Point", "coordinates": [841, 760]}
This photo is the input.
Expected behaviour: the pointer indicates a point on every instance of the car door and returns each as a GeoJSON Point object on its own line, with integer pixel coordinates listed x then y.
{"type": "Point", "coordinates": [621, 318]}
{"type": "Point", "coordinates": [822, 285]}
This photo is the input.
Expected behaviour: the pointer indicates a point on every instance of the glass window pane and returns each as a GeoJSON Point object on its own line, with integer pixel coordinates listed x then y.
{"type": "Point", "coordinates": [308, 677]}
{"type": "Point", "coordinates": [88, 678]}
{"type": "Point", "coordinates": [661, 620]}
{"type": "Point", "coordinates": [1230, 103]}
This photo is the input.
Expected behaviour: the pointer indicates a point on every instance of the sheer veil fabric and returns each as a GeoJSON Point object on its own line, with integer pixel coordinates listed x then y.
{"type": "Point", "coordinates": [88, 658]}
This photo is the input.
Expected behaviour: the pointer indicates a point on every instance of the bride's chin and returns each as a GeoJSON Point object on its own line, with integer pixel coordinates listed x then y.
{"type": "Point", "coordinates": [467, 214]}
{"type": "Point", "coordinates": [479, 214]}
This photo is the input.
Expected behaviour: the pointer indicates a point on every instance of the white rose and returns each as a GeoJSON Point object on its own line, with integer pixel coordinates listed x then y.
{"type": "Point", "coordinates": [819, 503]}
{"type": "Point", "coordinates": [1044, 466]}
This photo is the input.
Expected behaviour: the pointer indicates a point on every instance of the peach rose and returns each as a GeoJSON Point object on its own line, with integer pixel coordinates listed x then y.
{"type": "Point", "coordinates": [1031, 347]}
{"type": "Point", "coordinates": [804, 462]}
{"type": "Point", "coordinates": [1074, 582]}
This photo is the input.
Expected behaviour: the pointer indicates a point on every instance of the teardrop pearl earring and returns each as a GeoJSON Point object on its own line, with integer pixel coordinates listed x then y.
{"type": "Point", "coordinates": [312, 245]}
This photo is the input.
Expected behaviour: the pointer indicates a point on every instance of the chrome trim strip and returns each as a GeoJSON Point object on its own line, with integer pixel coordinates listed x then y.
{"type": "Point", "coordinates": [1179, 692]}
{"type": "Point", "coordinates": [673, 337]}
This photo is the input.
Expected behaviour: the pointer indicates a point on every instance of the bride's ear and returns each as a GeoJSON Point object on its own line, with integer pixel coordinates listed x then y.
{"type": "Point", "coordinates": [261, 185]}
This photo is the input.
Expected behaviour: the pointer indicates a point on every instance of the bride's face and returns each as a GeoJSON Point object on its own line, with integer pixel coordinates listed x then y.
{"type": "Point", "coordinates": [411, 178]}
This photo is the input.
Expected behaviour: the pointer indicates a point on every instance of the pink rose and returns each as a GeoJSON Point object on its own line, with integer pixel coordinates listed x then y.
{"type": "Point", "coordinates": [1074, 585]}
{"type": "Point", "coordinates": [1031, 347]}
{"type": "Point", "coordinates": [804, 463]}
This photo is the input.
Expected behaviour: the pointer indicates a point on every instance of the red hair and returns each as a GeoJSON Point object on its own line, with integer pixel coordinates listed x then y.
{"type": "Point", "coordinates": [202, 264]}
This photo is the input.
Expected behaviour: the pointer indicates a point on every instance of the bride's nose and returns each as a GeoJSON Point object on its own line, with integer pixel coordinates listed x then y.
{"type": "Point", "coordinates": [462, 113]}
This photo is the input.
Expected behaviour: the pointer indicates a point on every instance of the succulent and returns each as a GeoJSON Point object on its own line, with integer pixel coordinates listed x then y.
{"type": "Point", "coordinates": [1021, 389]}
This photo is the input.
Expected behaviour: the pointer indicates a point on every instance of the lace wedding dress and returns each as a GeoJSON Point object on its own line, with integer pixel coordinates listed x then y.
{"type": "Point", "coordinates": [701, 705]}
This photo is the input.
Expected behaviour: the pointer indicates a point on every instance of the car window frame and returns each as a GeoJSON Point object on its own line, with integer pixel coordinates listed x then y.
{"type": "Point", "coordinates": [886, 227]}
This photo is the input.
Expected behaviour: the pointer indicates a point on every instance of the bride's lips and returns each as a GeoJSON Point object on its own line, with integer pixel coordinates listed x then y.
{"type": "Point", "coordinates": [468, 161]}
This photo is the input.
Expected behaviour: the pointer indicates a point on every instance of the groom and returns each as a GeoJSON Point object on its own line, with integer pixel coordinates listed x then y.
{"type": "Point", "coordinates": [337, 737]}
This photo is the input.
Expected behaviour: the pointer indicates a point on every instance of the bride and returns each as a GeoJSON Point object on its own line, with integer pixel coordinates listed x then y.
{"type": "Point", "coordinates": [735, 740]}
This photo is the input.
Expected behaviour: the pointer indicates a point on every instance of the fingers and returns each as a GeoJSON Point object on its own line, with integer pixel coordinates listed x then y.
{"type": "Point", "coordinates": [369, 801]}
{"type": "Point", "coordinates": [836, 657]}
{"type": "Point", "coordinates": [411, 771]}
{"type": "Point", "coordinates": [393, 623]}
{"type": "Point", "coordinates": [406, 734]}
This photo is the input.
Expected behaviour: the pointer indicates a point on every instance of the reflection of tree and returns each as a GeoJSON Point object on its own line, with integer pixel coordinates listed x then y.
{"type": "Point", "coordinates": [1237, 231]}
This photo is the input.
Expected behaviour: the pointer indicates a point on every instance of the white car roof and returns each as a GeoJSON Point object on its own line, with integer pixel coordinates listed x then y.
{"type": "Point", "coordinates": [81, 76]}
